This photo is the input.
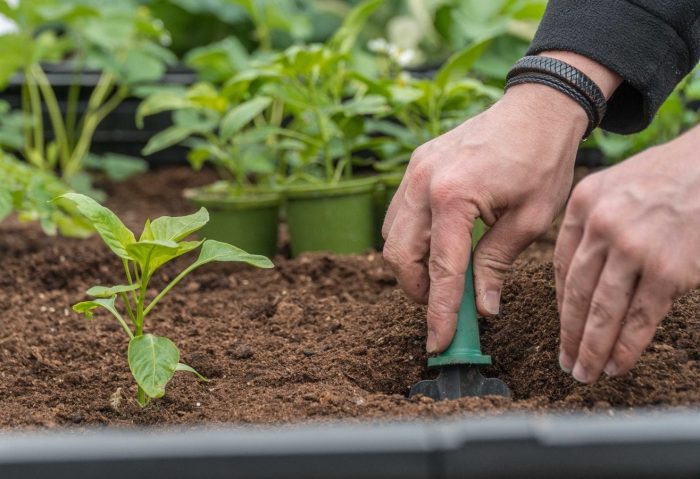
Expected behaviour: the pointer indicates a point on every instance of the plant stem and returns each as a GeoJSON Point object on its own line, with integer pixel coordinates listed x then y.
{"type": "Point", "coordinates": [72, 106]}
{"type": "Point", "coordinates": [170, 286]}
{"type": "Point", "coordinates": [129, 310]}
{"type": "Point", "coordinates": [37, 119]}
{"type": "Point", "coordinates": [26, 114]}
{"type": "Point", "coordinates": [91, 119]}
{"type": "Point", "coordinates": [59, 128]}
{"type": "Point", "coordinates": [127, 270]}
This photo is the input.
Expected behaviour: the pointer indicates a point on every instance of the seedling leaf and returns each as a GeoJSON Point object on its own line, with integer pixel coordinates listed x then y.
{"type": "Point", "coordinates": [149, 252]}
{"type": "Point", "coordinates": [87, 307]}
{"type": "Point", "coordinates": [153, 361]}
{"type": "Point", "coordinates": [213, 250]}
{"type": "Point", "coordinates": [177, 228]}
{"type": "Point", "coordinates": [109, 291]}
{"type": "Point", "coordinates": [243, 114]}
{"type": "Point", "coordinates": [113, 232]}
{"type": "Point", "coordinates": [190, 369]}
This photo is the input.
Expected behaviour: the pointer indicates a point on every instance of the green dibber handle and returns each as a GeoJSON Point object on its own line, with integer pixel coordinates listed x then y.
{"type": "Point", "coordinates": [465, 347]}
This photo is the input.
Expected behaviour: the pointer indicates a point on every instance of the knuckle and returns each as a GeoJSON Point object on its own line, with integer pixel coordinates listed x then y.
{"type": "Point", "coordinates": [602, 222]}
{"type": "Point", "coordinates": [444, 195]}
{"type": "Point", "coordinates": [630, 247]}
{"type": "Point", "coordinates": [439, 267]}
{"type": "Point", "coordinates": [599, 315]}
{"type": "Point", "coordinates": [418, 175]}
{"type": "Point", "coordinates": [493, 259]}
{"type": "Point", "coordinates": [392, 254]}
{"type": "Point", "coordinates": [574, 295]}
{"type": "Point", "coordinates": [639, 318]}
{"type": "Point", "coordinates": [583, 194]}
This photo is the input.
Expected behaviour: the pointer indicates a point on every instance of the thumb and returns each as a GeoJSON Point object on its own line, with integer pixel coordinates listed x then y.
{"type": "Point", "coordinates": [495, 254]}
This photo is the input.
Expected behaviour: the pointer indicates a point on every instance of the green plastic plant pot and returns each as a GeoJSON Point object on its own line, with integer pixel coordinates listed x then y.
{"type": "Point", "coordinates": [249, 221]}
{"type": "Point", "coordinates": [337, 218]}
{"type": "Point", "coordinates": [385, 191]}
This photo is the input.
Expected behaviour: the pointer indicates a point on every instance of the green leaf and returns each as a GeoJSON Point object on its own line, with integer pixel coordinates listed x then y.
{"type": "Point", "coordinates": [87, 307]}
{"type": "Point", "coordinates": [243, 114]}
{"type": "Point", "coordinates": [110, 291]}
{"type": "Point", "coordinates": [161, 101]}
{"type": "Point", "coordinates": [153, 361]}
{"type": "Point", "coordinates": [189, 369]}
{"type": "Point", "coordinates": [168, 137]}
{"type": "Point", "coordinates": [117, 167]}
{"type": "Point", "coordinates": [344, 38]}
{"type": "Point", "coordinates": [149, 252]}
{"type": "Point", "coordinates": [177, 228]}
{"type": "Point", "coordinates": [459, 64]}
{"type": "Point", "coordinates": [113, 232]}
{"type": "Point", "coordinates": [213, 250]}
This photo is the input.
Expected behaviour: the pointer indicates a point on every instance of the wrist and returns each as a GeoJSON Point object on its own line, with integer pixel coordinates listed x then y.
{"type": "Point", "coordinates": [550, 108]}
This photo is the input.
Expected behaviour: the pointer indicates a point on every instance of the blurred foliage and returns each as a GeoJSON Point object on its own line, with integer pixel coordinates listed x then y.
{"type": "Point", "coordinates": [120, 39]}
{"type": "Point", "coordinates": [679, 112]}
{"type": "Point", "coordinates": [28, 191]}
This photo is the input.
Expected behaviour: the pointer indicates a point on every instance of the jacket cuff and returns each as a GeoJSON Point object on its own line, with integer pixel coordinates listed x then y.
{"type": "Point", "coordinates": [643, 49]}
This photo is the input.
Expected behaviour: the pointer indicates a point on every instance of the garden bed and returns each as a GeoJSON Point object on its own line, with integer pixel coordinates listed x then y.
{"type": "Point", "coordinates": [317, 338]}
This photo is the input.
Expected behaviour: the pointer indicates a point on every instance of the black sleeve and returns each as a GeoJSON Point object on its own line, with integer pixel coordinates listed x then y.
{"type": "Point", "coordinates": [651, 44]}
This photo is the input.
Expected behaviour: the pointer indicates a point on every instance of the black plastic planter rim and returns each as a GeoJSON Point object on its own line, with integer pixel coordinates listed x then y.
{"type": "Point", "coordinates": [640, 444]}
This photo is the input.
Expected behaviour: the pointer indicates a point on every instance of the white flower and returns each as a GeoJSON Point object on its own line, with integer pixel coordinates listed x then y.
{"type": "Point", "coordinates": [378, 45]}
{"type": "Point", "coordinates": [405, 57]}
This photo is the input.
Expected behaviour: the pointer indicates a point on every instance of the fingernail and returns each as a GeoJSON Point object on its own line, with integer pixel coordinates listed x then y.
{"type": "Point", "coordinates": [431, 343]}
{"type": "Point", "coordinates": [565, 362]}
{"type": "Point", "coordinates": [492, 301]}
{"type": "Point", "coordinates": [611, 368]}
{"type": "Point", "coordinates": [580, 373]}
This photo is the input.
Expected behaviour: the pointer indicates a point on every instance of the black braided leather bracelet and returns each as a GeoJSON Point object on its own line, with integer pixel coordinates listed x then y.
{"type": "Point", "coordinates": [564, 78]}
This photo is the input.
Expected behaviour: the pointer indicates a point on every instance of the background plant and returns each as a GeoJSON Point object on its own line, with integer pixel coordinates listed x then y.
{"type": "Point", "coordinates": [153, 360]}
{"type": "Point", "coordinates": [233, 128]}
{"type": "Point", "coordinates": [423, 108]}
{"type": "Point", "coordinates": [119, 39]}
{"type": "Point", "coordinates": [678, 113]}
{"type": "Point", "coordinates": [28, 192]}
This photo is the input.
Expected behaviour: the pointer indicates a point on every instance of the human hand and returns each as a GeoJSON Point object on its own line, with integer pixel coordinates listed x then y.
{"type": "Point", "coordinates": [512, 166]}
{"type": "Point", "coordinates": [629, 243]}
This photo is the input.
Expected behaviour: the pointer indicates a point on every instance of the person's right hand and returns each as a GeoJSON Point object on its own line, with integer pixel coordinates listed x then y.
{"type": "Point", "coordinates": [512, 166]}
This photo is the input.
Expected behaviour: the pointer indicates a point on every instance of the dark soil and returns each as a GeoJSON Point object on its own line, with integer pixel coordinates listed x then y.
{"type": "Point", "coordinates": [316, 338]}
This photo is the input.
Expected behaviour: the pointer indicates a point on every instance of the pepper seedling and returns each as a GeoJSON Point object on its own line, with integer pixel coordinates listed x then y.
{"type": "Point", "coordinates": [153, 360]}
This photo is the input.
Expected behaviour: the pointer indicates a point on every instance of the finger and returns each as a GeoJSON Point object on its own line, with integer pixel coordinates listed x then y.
{"type": "Point", "coordinates": [651, 302]}
{"type": "Point", "coordinates": [609, 305]}
{"type": "Point", "coordinates": [580, 283]}
{"type": "Point", "coordinates": [496, 253]}
{"type": "Point", "coordinates": [394, 206]}
{"type": "Point", "coordinates": [450, 248]}
{"type": "Point", "coordinates": [407, 245]}
{"type": "Point", "coordinates": [568, 240]}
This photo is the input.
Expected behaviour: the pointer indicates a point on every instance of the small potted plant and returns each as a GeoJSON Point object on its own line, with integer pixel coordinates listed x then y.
{"type": "Point", "coordinates": [234, 130]}
{"type": "Point", "coordinates": [327, 103]}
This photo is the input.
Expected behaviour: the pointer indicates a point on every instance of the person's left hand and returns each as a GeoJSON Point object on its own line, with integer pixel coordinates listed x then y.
{"type": "Point", "coordinates": [629, 243]}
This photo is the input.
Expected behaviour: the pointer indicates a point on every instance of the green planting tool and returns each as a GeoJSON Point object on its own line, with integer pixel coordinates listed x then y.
{"type": "Point", "coordinates": [459, 364]}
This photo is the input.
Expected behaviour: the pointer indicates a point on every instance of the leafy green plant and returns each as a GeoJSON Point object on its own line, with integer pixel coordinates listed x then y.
{"type": "Point", "coordinates": [153, 360]}
{"type": "Point", "coordinates": [28, 191]}
{"type": "Point", "coordinates": [425, 108]}
{"type": "Point", "coordinates": [233, 128]}
{"type": "Point", "coordinates": [119, 39]}
{"type": "Point", "coordinates": [326, 102]}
